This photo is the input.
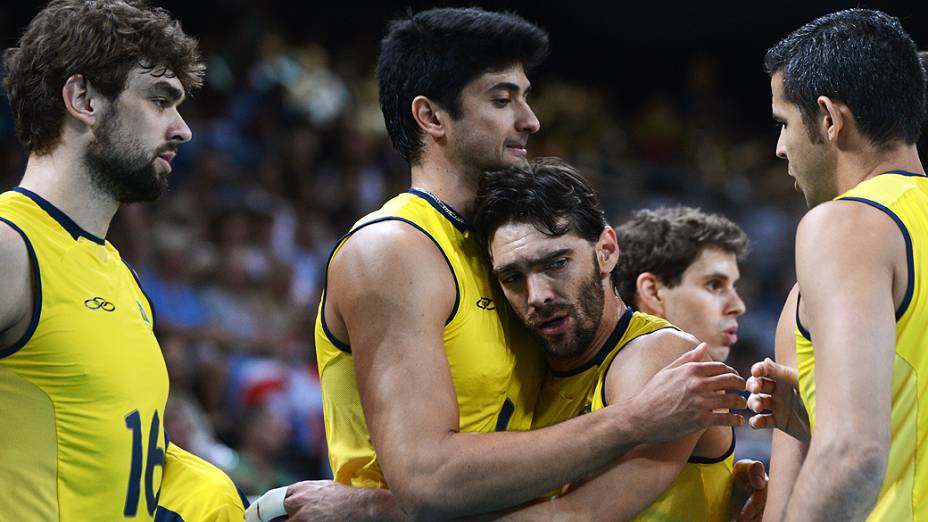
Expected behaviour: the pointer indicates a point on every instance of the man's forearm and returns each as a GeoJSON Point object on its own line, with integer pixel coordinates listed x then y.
{"type": "Point", "coordinates": [532, 464]}
{"type": "Point", "coordinates": [837, 482]}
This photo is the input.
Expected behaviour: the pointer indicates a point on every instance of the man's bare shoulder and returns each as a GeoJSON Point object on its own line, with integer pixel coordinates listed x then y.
{"type": "Point", "coordinates": [661, 347]}
{"type": "Point", "coordinates": [846, 219]}
{"type": "Point", "coordinates": [395, 269]}
{"type": "Point", "coordinates": [14, 279]}
{"type": "Point", "coordinates": [644, 356]}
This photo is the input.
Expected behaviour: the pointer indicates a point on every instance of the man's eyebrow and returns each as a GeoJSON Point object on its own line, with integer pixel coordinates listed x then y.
{"type": "Point", "coordinates": [168, 90]}
{"type": "Point", "coordinates": [509, 86]}
{"type": "Point", "coordinates": [532, 262]}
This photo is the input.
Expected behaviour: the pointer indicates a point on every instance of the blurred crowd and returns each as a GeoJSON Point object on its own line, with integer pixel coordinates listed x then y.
{"type": "Point", "coordinates": [289, 150]}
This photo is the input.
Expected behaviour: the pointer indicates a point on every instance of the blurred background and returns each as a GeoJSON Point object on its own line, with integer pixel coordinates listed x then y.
{"type": "Point", "coordinates": [659, 103]}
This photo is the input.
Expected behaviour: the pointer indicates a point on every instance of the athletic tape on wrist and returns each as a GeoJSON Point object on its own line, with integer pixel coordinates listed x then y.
{"type": "Point", "coordinates": [268, 507]}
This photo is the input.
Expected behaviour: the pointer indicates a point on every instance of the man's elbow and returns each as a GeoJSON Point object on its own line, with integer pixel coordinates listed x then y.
{"type": "Point", "coordinates": [863, 459]}
{"type": "Point", "coordinates": [422, 497]}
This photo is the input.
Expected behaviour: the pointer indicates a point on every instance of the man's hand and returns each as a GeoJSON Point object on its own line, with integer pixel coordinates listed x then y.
{"type": "Point", "coordinates": [326, 500]}
{"type": "Point", "coordinates": [687, 396]}
{"type": "Point", "coordinates": [775, 399]}
{"type": "Point", "coordinates": [749, 490]}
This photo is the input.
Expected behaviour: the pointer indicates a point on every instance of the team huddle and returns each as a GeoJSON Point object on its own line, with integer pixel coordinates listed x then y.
{"type": "Point", "coordinates": [488, 345]}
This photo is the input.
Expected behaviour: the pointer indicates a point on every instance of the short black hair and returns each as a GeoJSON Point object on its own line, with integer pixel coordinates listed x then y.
{"type": "Point", "coordinates": [435, 53]}
{"type": "Point", "coordinates": [863, 58]}
{"type": "Point", "coordinates": [549, 194]}
{"type": "Point", "coordinates": [666, 241]}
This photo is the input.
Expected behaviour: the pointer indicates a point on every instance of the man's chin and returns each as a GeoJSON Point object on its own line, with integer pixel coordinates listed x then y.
{"type": "Point", "coordinates": [719, 353]}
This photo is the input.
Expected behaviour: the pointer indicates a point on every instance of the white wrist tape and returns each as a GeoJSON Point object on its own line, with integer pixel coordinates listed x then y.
{"type": "Point", "coordinates": [268, 507]}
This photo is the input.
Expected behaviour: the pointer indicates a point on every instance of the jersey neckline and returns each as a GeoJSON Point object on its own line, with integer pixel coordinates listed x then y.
{"type": "Point", "coordinates": [610, 343]}
{"type": "Point", "coordinates": [443, 208]}
{"type": "Point", "coordinates": [66, 222]}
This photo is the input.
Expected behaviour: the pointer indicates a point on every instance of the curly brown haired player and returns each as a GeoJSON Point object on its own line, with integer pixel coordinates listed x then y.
{"type": "Point", "coordinates": [95, 88]}
{"type": "Point", "coordinates": [681, 264]}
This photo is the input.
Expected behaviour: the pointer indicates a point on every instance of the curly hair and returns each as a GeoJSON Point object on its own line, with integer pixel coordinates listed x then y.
{"type": "Point", "coordinates": [549, 194]}
{"type": "Point", "coordinates": [103, 40]}
{"type": "Point", "coordinates": [666, 241]}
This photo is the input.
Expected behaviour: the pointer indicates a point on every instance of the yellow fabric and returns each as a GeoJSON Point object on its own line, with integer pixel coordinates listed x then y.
{"type": "Point", "coordinates": [495, 367]}
{"type": "Point", "coordinates": [196, 491]}
{"type": "Point", "coordinates": [82, 400]}
{"type": "Point", "coordinates": [903, 495]}
{"type": "Point", "coordinates": [702, 491]}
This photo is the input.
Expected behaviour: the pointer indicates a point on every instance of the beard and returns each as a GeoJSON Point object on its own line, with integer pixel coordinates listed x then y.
{"type": "Point", "coordinates": [120, 167]}
{"type": "Point", "coordinates": [586, 315]}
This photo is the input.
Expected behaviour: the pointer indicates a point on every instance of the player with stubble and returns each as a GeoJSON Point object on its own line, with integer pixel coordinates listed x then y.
{"type": "Point", "coordinates": [94, 88]}
{"type": "Point", "coordinates": [428, 380]}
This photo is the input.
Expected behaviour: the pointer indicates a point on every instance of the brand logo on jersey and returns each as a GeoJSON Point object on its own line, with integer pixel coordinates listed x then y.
{"type": "Point", "coordinates": [98, 303]}
{"type": "Point", "coordinates": [486, 303]}
{"type": "Point", "coordinates": [144, 315]}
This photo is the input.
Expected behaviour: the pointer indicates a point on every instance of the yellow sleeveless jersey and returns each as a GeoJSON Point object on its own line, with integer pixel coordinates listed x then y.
{"type": "Point", "coordinates": [82, 393]}
{"type": "Point", "coordinates": [904, 197]}
{"type": "Point", "coordinates": [702, 490]}
{"type": "Point", "coordinates": [495, 368]}
{"type": "Point", "coordinates": [194, 490]}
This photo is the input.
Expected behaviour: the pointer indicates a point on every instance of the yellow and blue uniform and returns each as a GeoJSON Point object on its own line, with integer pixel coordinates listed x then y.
{"type": "Point", "coordinates": [702, 490]}
{"type": "Point", "coordinates": [82, 393]}
{"type": "Point", "coordinates": [194, 490]}
{"type": "Point", "coordinates": [482, 340]}
{"type": "Point", "coordinates": [903, 197]}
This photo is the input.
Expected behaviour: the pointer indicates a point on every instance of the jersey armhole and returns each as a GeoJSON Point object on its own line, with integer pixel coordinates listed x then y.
{"type": "Point", "coordinates": [909, 257]}
{"type": "Point", "coordinates": [602, 391]}
{"type": "Point", "coordinates": [345, 347]}
{"type": "Point", "coordinates": [37, 295]}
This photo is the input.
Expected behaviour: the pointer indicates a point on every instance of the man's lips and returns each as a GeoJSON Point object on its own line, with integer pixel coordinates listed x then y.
{"type": "Point", "coordinates": [731, 335]}
{"type": "Point", "coordinates": [517, 148]}
{"type": "Point", "coordinates": [555, 325]}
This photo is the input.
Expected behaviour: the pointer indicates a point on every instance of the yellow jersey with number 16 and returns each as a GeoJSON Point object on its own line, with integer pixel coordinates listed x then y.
{"type": "Point", "coordinates": [82, 393]}
{"type": "Point", "coordinates": [902, 196]}
{"type": "Point", "coordinates": [495, 368]}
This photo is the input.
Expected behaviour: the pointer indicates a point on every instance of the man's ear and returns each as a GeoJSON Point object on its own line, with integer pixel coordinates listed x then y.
{"type": "Point", "coordinates": [607, 250]}
{"type": "Point", "coordinates": [81, 100]}
{"type": "Point", "coordinates": [429, 116]}
{"type": "Point", "coordinates": [648, 294]}
{"type": "Point", "coordinates": [835, 119]}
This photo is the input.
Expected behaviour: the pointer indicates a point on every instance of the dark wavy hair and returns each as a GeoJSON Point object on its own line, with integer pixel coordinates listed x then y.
{"type": "Point", "coordinates": [666, 241]}
{"type": "Point", "coordinates": [550, 195]}
{"type": "Point", "coordinates": [435, 53]}
{"type": "Point", "coordinates": [863, 58]}
{"type": "Point", "coordinates": [103, 40]}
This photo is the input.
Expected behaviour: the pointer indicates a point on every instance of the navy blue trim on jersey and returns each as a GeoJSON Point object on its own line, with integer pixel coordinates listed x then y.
{"type": "Point", "coordinates": [241, 496]}
{"type": "Point", "coordinates": [457, 290]}
{"type": "Point", "coordinates": [138, 282]}
{"type": "Point", "coordinates": [443, 208]}
{"type": "Point", "coordinates": [707, 460]}
{"type": "Point", "coordinates": [610, 343]}
{"type": "Point", "coordinates": [903, 173]}
{"type": "Point", "coordinates": [802, 331]}
{"type": "Point", "coordinates": [164, 514]}
{"type": "Point", "coordinates": [502, 422]}
{"type": "Point", "coordinates": [909, 258]}
{"type": "Point", "coordinates": [67, 223]}
{"type": "Point", "coordinates": [602, 391]}
{"type": "Point", "coordinates": [37, 297]}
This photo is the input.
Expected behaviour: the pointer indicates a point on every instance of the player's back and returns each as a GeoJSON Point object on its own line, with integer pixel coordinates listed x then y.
{"type": "Point", "coordinates": [482, 342]}
{"type": "Point", "coordinates": [903, 197]}
{"type": "Point", "coordinates": [82, 393]}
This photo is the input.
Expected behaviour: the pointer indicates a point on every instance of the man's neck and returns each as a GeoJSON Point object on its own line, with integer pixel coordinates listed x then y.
{"type": "Point", "coordinates": [613, 308]}
{"type": "Point", "coordinates": [855, 168]}
{"type": "Point", "coordinates": [60, 178]}
{"type": "Point", "coordinates": [453, 184]}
